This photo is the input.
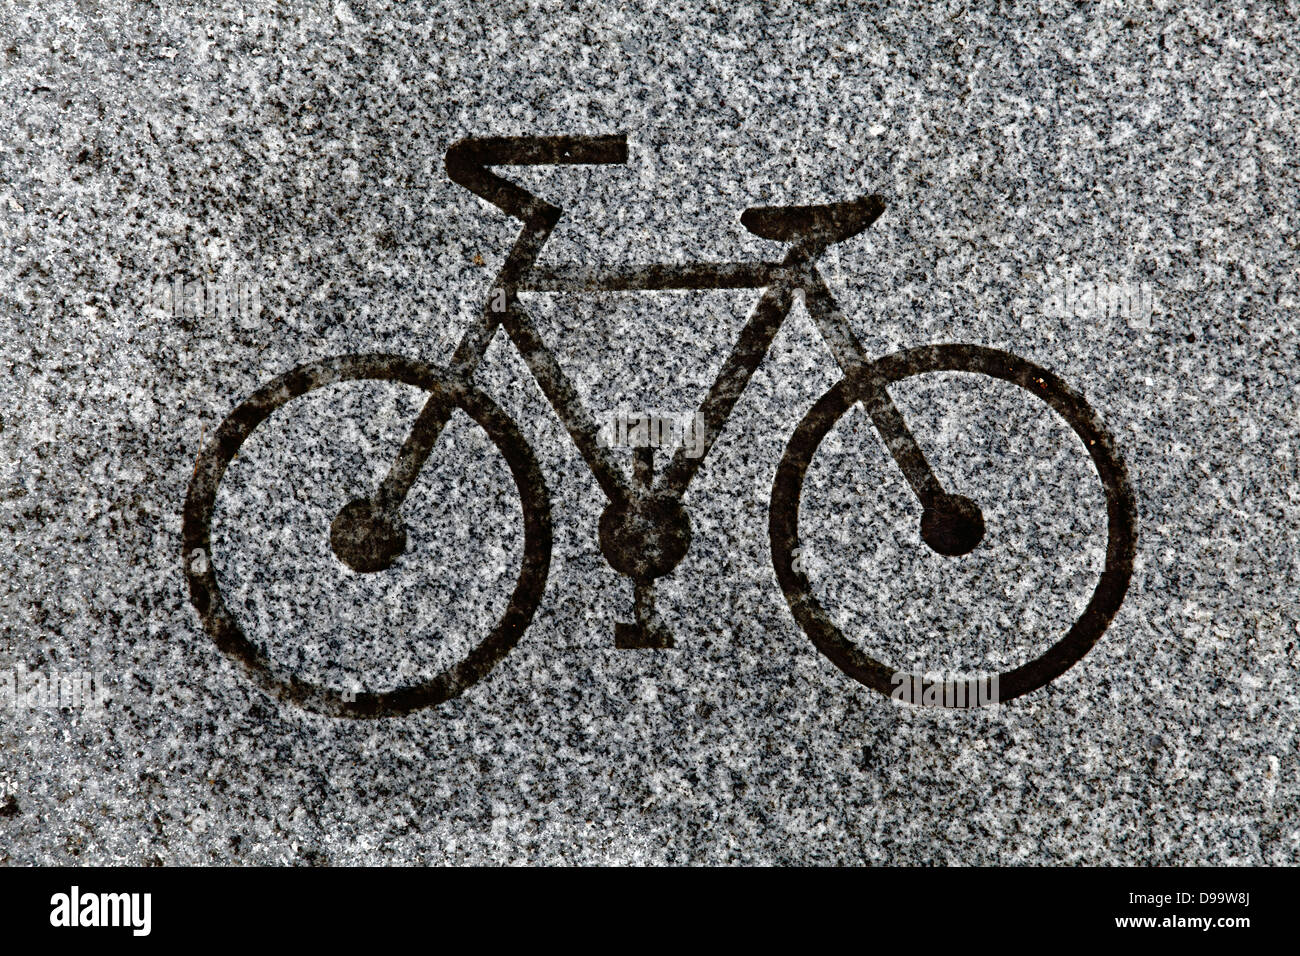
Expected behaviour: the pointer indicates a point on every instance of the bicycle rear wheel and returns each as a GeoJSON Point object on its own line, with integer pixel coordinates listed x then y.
{"type": "Point", "coordinates": [224, 628]}
{"type": "Point", "coordinates": [783, 521]}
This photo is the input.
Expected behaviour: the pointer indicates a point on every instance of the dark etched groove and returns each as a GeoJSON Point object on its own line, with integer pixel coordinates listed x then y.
{"type": "Point", "coordinates": [645, 530]}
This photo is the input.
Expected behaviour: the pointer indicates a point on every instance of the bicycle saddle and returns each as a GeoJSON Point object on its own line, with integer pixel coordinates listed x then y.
{"type": "Point", "coordinates": [828, 223]}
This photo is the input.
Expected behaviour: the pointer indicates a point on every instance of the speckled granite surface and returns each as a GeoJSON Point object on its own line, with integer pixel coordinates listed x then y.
{"type": "Point", "coordinates": [1034, 157]}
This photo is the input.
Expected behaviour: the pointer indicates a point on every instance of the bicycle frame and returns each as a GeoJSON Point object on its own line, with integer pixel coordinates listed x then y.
{"type": "Point", "coordinates": [779, 282]}
{"type": "Point", "coordinates": [775, 279]}
{"type": "Point", "coordinates": [644, 503]}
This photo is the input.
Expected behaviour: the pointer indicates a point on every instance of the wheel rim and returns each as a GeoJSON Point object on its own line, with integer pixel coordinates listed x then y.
{"type": "Point", "coordinates": [224, 628]}
{"type": "Point", "coordinates": [783, 520]}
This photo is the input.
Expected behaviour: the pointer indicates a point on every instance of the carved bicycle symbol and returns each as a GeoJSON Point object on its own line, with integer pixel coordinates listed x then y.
{"type": "Point", "coordinates": [645, 530]}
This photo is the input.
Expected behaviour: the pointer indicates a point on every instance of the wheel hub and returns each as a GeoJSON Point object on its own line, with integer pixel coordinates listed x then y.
{"type": "Point", "coordinates": [367, 537]}
{"type": "Point", "coordinates": [953, 525]}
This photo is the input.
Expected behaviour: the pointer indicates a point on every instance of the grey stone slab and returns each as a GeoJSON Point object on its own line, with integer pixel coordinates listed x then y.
{"type": "Point", "coordinates": [1107, 190]}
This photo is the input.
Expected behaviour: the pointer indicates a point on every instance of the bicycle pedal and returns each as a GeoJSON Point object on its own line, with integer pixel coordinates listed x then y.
{"type": "Point", "coordinates": [633, 637]}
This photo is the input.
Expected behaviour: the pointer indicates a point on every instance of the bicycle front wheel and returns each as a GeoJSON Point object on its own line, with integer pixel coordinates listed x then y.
{"type": "Point", "coordinates": [1066, 403]}
{"type": "Point", "coordinates": [216, 613]}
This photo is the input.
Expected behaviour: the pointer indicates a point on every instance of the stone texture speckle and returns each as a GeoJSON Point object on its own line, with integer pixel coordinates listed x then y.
{"type": "Point", "coordinates": [1140, 145]}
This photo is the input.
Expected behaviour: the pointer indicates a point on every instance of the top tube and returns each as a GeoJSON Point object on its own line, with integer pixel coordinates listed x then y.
{"type": "Point", "coordinates": [572, 277]}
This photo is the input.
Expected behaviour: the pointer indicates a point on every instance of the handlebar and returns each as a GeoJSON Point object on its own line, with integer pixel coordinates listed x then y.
{"type": "Point", "coordinates": [468, 159]}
